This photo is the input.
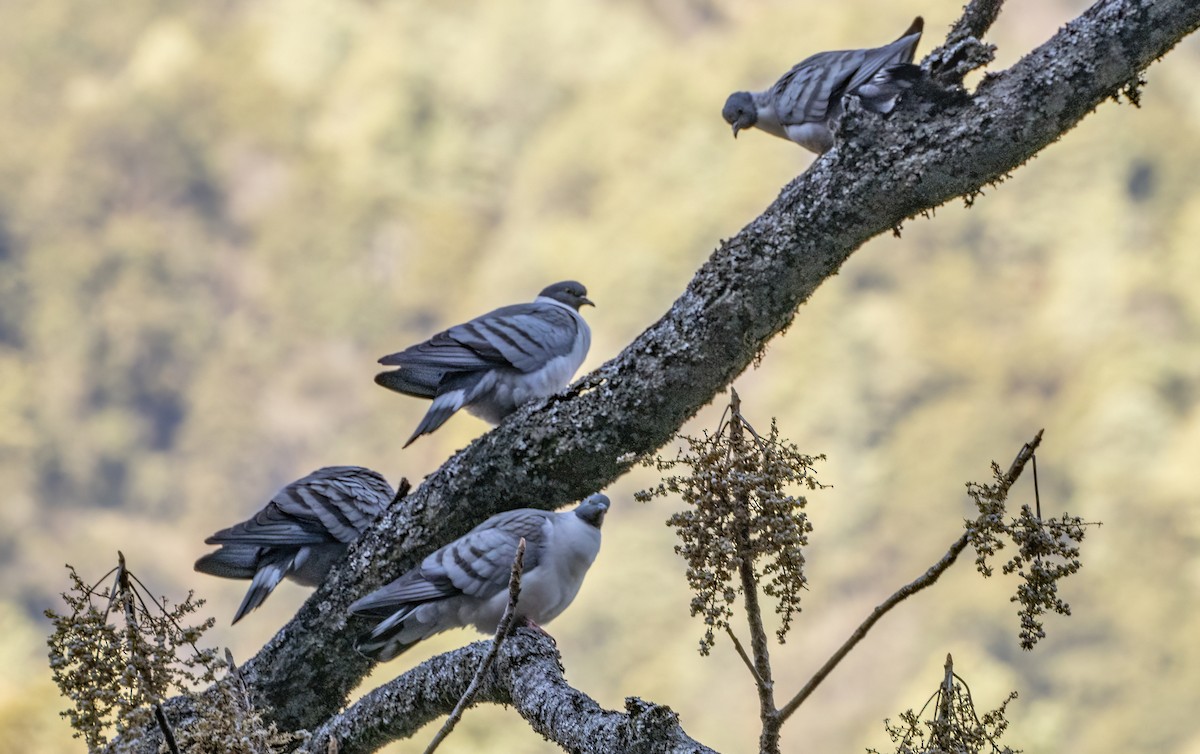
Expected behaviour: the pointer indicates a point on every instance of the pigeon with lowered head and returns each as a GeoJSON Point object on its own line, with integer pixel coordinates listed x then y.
{"type": "Point", "coordinates": [802, 105]}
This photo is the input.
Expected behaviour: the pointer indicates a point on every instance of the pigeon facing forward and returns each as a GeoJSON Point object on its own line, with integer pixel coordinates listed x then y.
{"type": "Point", "coordinates": [497, 361]}
{"type": "Point", "coordinates": [300, 533]}
{"type": "Point", "coordinates": [802, 105]}
{"type": "Point", "coordinates": [466, 582]}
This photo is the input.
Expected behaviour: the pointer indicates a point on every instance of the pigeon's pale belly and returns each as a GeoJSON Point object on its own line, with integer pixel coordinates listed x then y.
{"type": "Point", "coordinates": [503, 391]}
{"type": "Point", "coordinates": [548, 588]}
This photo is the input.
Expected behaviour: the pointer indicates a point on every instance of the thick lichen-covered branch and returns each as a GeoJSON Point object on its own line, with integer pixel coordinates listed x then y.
{"type": "Point", "coordinates": [884, 171]}
{"type": "Point", "coordinates": [527, 674]}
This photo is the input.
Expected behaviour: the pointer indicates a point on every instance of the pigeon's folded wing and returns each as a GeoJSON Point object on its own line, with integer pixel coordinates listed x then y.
{"type": "Point", "coordinates": [478, 565]}
{"type": "Point", "coordinates": [522, 336]}
{"type": "Point", "coordinates": [333, 504]}
{"type": "Point", "coordinates": [815, 86]}
{"type": "Point", "coordinates": [806, 93]}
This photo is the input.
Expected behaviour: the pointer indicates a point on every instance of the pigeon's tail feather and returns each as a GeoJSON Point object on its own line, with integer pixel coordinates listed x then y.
{"type": "Point", "coordinates": [901, 74]}
{"type": "Point", "coordinates": [264, 582]}
{"type": "Point", "coordinates": [443, 407]}
{"type": "Point", "coordinates": [879, 94]}
{"type": "Point", "coordinates": [419, 384]}
{"type": "Point", "coordinates": [230, 563]}
{"type": "Point", "coordinates": [917, 26]}
{"type": "Point", "coordinates": [383, 642]}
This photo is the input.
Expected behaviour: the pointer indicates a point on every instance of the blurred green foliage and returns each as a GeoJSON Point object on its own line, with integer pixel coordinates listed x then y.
{"type": "Point", "coordinates": [215, 216]}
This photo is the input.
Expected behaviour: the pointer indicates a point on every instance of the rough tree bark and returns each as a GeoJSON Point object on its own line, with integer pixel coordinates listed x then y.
{"type": "Point", "coordinates": [528, 676]}
{"type": "Point", "coordinates": [884, 171]}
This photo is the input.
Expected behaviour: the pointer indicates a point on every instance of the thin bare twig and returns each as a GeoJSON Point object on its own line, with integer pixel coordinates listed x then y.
{"type": "Point", "coordinates": [1023, 457]}
{"type": "Point", "coordinates": [514, 592]}
{"type": "Point", "coordinates": [165, 727]}
{"type": "Point", "coordinates": [1037, 495]}
{"type": "Point", "coordinates": [742, 653]}
{"type": "Point", "coordinates": [923, 581]}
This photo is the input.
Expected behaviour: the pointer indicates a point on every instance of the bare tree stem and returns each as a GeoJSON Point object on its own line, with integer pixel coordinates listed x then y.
{"type": "Point", "coordinates": [768, 741]}
{"type": "Point", "coordinates": [165, 727]}
{"type": "Point", "coordinates": [123, 591]}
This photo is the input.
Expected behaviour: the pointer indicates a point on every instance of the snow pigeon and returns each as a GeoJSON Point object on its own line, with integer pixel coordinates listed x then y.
{"type": "Point", "coordinates": [301, 532]}
{"type": "Point", "coordinates": [497, 361]}
{"type": "Point", "coordinates": [802, 105]}
{"type": "Point", "coordinates": [466, 582]}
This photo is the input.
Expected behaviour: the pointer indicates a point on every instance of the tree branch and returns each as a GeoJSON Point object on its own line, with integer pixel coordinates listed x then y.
{"type": "Point", "coordinates": [923, 581]}
{"type": "Point", "coordinates": [884, 171]}
{"type": "Point", "coordinates": [528, 675]}
{"type": "Point", "coordinates": [963, 50]}
{"type": "Point", "coordinates": [978, 16]}
{"type": "Point", "coordinates": [737, 644]}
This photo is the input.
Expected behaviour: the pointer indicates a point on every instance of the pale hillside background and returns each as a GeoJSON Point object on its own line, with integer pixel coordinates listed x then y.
{"type": "Point", "coordinates": [215, 216]}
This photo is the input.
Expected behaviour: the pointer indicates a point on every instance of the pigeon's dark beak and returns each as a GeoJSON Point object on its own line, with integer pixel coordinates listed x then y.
{"type": "Point", "coordinates": [584, 300]}
{"type": "Point", "coordinates": [735, 130]}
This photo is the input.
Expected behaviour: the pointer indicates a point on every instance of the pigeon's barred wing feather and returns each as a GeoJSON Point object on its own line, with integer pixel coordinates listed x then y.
{"type": "Point", "coordinates": [814, 88]}
{"type": "Point", "coordinates": [806, 93]}
{"type": "Point", "coordinates": [521, 336]}
{"type": "Point", "coordinates": [498, 361]}
{"type": "Point", "coordinates": [300, 533]}
{"type": "Point", "coordinates": [333, 504]}
{"type": "Point", "coordinates": [478, 565]}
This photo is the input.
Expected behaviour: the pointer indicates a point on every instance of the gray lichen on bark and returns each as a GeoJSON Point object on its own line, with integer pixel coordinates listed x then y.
{"type": "Point", "coordinates": [527, 675]}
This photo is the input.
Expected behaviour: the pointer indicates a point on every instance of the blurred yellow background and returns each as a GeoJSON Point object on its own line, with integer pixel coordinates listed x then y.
{"type": "Point", "coordinates": [215, 216]}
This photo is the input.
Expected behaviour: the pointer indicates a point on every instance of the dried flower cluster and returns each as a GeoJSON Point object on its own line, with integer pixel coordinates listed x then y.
{"type": "Point", "coordinates": [114, 673]}
{"type": "Point", "coordinates": [740, 514]}
{"type": "Point", "coordinates": [954, 727]}
{"type": "Point", "coordinates": [118, 652]}
{"type": "Point", "coordinates": [1047, 551]}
